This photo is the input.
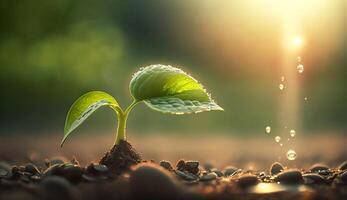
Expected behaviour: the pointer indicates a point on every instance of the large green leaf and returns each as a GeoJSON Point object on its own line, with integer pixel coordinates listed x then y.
{"type": "Point", "coordinates": [170, 90]}
{"type": "Point", "coordinates": [84, 106]}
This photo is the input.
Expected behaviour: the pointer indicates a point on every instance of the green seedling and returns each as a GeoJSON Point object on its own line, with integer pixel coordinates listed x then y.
{"type": "Point", "coordinates": [163, 88]}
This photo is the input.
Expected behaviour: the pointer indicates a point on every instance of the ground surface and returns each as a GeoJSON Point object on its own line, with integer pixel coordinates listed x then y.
{"type": "Point", "coordinates": [250, 177]}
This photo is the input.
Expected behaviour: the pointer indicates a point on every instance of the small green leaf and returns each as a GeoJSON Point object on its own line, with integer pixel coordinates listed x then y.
{"type": "Point", "coordinates": [84, 106]}
{"type": "Point", "coordinates": [170, 90]}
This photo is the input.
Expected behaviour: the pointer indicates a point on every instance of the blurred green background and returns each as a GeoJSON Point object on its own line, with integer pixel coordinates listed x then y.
{"type": "Point", "coordinates": [51, 52]}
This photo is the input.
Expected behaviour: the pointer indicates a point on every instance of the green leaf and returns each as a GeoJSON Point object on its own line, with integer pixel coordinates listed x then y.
{"type": "Point", "coordinates": [170, 90]}
{"type": "Point", "coordinates": [84, 106]}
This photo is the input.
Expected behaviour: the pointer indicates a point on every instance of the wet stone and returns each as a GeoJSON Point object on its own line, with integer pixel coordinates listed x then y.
{"type": "Point", "coordinates": [73, 173]}
{"type": "Point", "coordinates": [186, 175]}
{"type": "Point", "coordinates": [343, 177]}
{"type": "Point", "coordinates": [56, 169]}
{"type": "Point", "coordinates": [208, 166]}
{"type": "Point", "coordinates": [319, 167]}
{"type": "Point", "coordinates": [217, 171]}
{"type": "Point", "coordinates": [31, 168]}
{"type": "Point", "coordinates": [247, 181]}
{"type": "Point", "coordinates": [192, 167]}
{"type": "Point", "coordinates": [209, 177]}
{"type": "Point", "coordinates": [151, 181]}
{"type": "Point", "coordinates": [229, 170]}
{"type": "Point", "coordinates": [313, 178]}
{"type": "Point", "coordinates": [343, 166]}
{"type": "Point", "coordinates": [97, 169]}
{"type": "Point", "coordinates": [181, 165]}
{"type": "Point", "coordinates": [56, 187]}
{"type": "Point", "coordinates": [292, 176]}
{"type": "Point", "coordinates": [55, 160]}
{"type": "Point", "coordinates": [35, 178]}
{"type": "Point", "coordinates": [276, 168]}
{"type": "Point", "coordinates": [166, 164]}
{"type": "Point", "coordinates": [88, 178]}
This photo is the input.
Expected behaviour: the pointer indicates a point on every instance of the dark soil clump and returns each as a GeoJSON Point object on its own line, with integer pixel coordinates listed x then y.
{"type": "Point", "coordinates": [120, 158]}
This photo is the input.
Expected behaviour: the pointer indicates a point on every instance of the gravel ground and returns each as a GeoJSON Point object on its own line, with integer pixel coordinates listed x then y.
{"type": "Point", "coordinates": [226, 168]}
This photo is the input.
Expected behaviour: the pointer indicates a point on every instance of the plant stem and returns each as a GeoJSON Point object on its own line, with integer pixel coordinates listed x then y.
{"type": "Point", "coordinates": [122, 119]}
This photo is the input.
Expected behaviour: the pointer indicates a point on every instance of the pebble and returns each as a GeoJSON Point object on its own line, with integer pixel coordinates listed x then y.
{"type": "Point", "coordinates": [55, 160]}
{"type": "Point", "coordinates": [55, 187]}
{"type": "Point", "coordinates": [56, 169]}
{"type": "Point", "coordinates": [217, 171]}
{"type": "Point", "coordinates": [149, 181]}
{"type": "Point", "coordinates": [229, 170]}
{"type": "Point", "coordinates": [208, 166]}
{"type": "Point", "coordinates": [97, 169]}
{"type": "Point", "coordinates": [73, 173]}
{"type": "Point", "coordinates": [247, 180]}
{"type": "Point", "coordinates": [318, 167]}
{"type": "Point", "coordinates": [166, 164]}
{"type": "Point", "coordinates": [313, 178]}
{"type": "Point", "coordinates": [192, 167]}
{"type": "Point", "coordinates": [209, 177]}
{"type": "Point", "coordinates": [343, 166]}
{"type": "Point", "coordinates": [343, 176]}
{"type": "Point", "coordinates": [186, 175]}
{"type": "Point", "coordinates": [276, 168]}
{"type": "Point", "coordinates": [181, 165]}
{"type": "Point", "coordinates": [5, 170]}
{"type": "Point", "coordinates": [291, 176]}
{"type": "Point", "coordinates": [31, 168]}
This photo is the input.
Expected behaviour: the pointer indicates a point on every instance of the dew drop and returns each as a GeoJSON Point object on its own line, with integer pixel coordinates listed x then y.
{"type": "Point", "coordinates": [291, 155]}
{"type": "Point", "coordinates": [268, 129]}
{"type": "Point", "coordinates": [300, 68]}
{"type": "Point", "coordinates": [281, 86]}
{"type": "Point", "coordinates": [277, 138]}
{"type": "Point", "coordinates": [292, 133]}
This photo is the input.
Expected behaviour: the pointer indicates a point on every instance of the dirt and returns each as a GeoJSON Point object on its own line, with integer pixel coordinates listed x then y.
{"type": "Point", "coordinates": [120, 158]}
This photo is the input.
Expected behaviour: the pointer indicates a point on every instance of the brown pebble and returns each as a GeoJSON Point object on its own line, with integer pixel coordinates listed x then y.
{"type": "Point", "coordinates": [291, 176]}
{"type": "Point", "coordinates": [276, 168]}
{"type": "Point", "coordinates": [166, 164]}
{"type": "Point", "coordinates": [247, 180]}
{"type": "Point", "coordinates": [181, 165]}
{"type": "Point", "coordinates": [318, 167]}
{"type": "Point", "coordinates": [343, 166]}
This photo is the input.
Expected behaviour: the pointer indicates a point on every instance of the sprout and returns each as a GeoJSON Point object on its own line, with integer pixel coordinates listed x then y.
{"type": "Point", "coordinates": [163, 88]}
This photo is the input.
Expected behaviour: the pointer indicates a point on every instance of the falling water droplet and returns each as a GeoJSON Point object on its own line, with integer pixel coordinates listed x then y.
{"type": "Point", "coordinates": [281, 86]}
{"type": "Point", "coordinates": [300, 68]}
{"type": "Point", "coordinates": [277, 138]}
{"type": "Point", "coordinates": [282, 78]}
{"type": "Point", "coordinates": [281, 144]}
{"type": "Point", "coordinates": [292, 133]}
{"type": "Point", "coordinates": [268, 129]}
{"type": "Point", "coordinates": [305, 98]}
{"type": "Point", "coordinates": [291, 155]}
{"type": "Point", "coordinates": [299, 59]}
